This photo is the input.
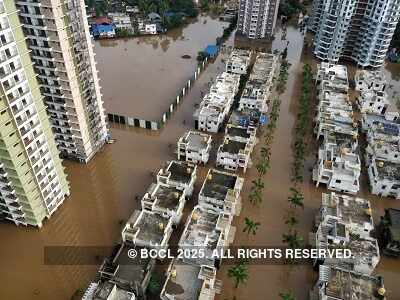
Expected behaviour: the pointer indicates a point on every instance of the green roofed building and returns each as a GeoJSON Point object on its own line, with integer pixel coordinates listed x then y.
{"type": "Point", "coordinates": [32, 179]}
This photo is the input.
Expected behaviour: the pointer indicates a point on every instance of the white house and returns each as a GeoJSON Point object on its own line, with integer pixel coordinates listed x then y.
{"type": "Point", "coordinates": [121, 21]}
{"type": "Point", "coordinates": [335, 283]}
{"type": "Point", "coordinates": [207, 230]}
{"type": "Point", "coordinates": [220, 192]}
{"type": "Point", "coordinates": [165, 200]}
{"type": "Point", "coordinates": [238, 61]}
{"type": "Point", "coordinates": [196, 282]}
{"type": "Point", "coordinates": [338, 168]}
{"type": "Point", "coordinates": [194, 147]}
{"type": "Point", "coordinates": [180, 175]}
{"type": "Point", "coordinates": [384, 178]}
{"type": "Point", "coordinates": [215, 107]}
{"type": "Point", "coordinates": [148, 229]}
{"type": "Point", "coordinates": [346, 223]}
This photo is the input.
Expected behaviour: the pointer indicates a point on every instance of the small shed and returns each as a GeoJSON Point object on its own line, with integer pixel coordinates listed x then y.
{"type": "Point", "coordinates": [211, 51]}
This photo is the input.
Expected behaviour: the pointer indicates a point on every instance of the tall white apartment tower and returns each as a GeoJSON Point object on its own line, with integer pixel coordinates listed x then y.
{"type": "Point", "coordinates": [257, 18]}
{"type": "Point", "coordinates": [59, 40]}
{"type": "Point", "coordinates": [356, 30]}
{"type": "Point", "coordinates": [32, 180]}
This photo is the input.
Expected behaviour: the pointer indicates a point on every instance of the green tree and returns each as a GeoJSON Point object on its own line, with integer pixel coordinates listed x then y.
{"type": "Point", "coordinates": [287, 296]}
{"type": "Point", "coordinates": [239, 274]}
{"type": "Point", "coordinates": [258, 183]}
{"type": "Point", "coordinates": [262, 167]}
{"type": "Point", "coordinates": [255, 196]}
{"type": "Point", "coordinates": [296, 199]}
{"type": "Point", "coordinates": [292, 239]}
{"type": "Point", "coordinates": [291, 221]}
{"type": "Point", "coordinates": [250, 226]}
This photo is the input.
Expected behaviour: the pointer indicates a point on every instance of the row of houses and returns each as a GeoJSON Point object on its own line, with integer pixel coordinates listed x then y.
{"type": "Point", "coordinates": [338, 165]}
{"type": "Point", "coordinates": [208, 225]}
{"type": "Point", "coordinates": [345, 222]}
{"type": "Point", "coordinates": [108, 26]}
{"type": "Point", "coordinates": [381, 124]}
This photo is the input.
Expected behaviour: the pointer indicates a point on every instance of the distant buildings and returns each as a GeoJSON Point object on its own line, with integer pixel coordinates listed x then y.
{"type": "Point", "coordinates": [257, 18]}
{"type": "Point", "coordinates": [194, 147]}
{"type": "Point", "coordinates": [103, 28]}
{"type": "Point", "coordinates": [32, 179]}
{"type": "Point", "coordinates": [60, 46]}
{"type": "Point", "coordinates": [354, 30]}
{"type": "Point", "coordinates": [121, 21]}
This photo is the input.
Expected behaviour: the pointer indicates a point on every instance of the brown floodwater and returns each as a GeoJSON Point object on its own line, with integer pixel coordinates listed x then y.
{"type": "Point", "coordinates": [103, 191]}
{"type": "Point", "coordinates": [140, 77]}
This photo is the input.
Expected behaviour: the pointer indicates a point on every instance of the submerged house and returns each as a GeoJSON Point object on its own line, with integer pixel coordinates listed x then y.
{"type": "Point", "coordinates": [121, 276]}
{"type": "Point", "coordinates": [194, 147]}
{"type": "Point", "coordinates": [384, 178]}
{"type": "Point", "coordinates": [389, 232]}
{"type": "Point", "coordinates": [209, 231]}
{"type": "Point", "coordinates": [215, 106]}
{"type": "Point", "coordinates": [238, 61]}
{"type": "Point", "coordinates": [345, 222]}
{"type": "Point", "coordinates": [165, 200]}
{"type": "Point", "coordinates": [180, 175]}
{"type": "Point", "coordinates": [338, 168]}
{"type": "Point", "coordinates": [234, 154]}
{"type": "Point", "coordinates": [220, 192]}
{"type": "Point", "coordinates": [335, 283]}
{"type": "Point", "coordinates": [148, 229]}
{"type": "Point", "coordinates": [103, 28]}
{"type": "Point", "coordinates": [196, 282]}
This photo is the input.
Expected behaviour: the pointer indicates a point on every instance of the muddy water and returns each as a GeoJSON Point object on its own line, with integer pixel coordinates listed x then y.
{"type": "Point", "coordinates": [141, 76]}
{"type": "Point", "coordinates": [102, 198]}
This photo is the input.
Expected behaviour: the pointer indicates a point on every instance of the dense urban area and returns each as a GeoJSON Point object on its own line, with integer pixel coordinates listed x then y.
{"type": "Point", "coordinates": [200, 150]}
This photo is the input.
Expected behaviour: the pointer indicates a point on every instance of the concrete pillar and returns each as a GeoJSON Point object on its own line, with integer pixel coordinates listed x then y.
{"type": "Point", "coordinates": [183, 92]}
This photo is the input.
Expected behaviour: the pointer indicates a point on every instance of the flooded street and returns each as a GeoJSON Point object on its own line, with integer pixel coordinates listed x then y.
{"type": "Point", "coordinates": [103, 191]}
{"type": "Point", "coordinates": [152, 61]}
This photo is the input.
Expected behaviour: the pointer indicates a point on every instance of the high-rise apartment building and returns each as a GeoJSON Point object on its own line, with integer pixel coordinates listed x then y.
{"type": "Point", "coordinates": [32, 179]}
{"type": "Point", "coordinates": [59, 40]}
{"type": "Point", "coordinates": [356, 30]}
{"type": "Point", "coordinates": [257, 18]}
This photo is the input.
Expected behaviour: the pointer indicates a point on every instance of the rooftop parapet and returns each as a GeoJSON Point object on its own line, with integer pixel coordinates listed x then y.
{"type": "Point", "coordinates": [148, 229]}
{"type": "Point", "coordinates": [180, 175]}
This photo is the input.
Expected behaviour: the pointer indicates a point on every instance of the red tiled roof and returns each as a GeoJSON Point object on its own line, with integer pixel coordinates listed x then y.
{"type": "Point", "coordinates": [103, 20]}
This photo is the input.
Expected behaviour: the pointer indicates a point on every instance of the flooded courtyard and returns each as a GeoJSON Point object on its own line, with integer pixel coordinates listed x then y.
{"type": "Point", "coordinates": [138, 77]}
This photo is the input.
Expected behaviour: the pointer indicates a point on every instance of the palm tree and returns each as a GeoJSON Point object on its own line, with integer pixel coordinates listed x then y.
{"type": "Point", "coordinates": [258, 183]}
{"type": "Point", "coordinates": [255, 196]}
{"type": "Point", "coordinates": [287, 296]}
{"type": "Point", "coordinates": [239, 273]}
{"type": "Point", "coordinates": [262, 167]}
{"type": "Point", "coordinates": [291, 221]}
{"type": "Point", "coordinates": [250, 226]}
{"type": "Point", "coordinates": [292, 239]}
{"type": "Point", "coordinates": [265, 152]}
{"type": "Point", "coordinates": [296, 199]}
